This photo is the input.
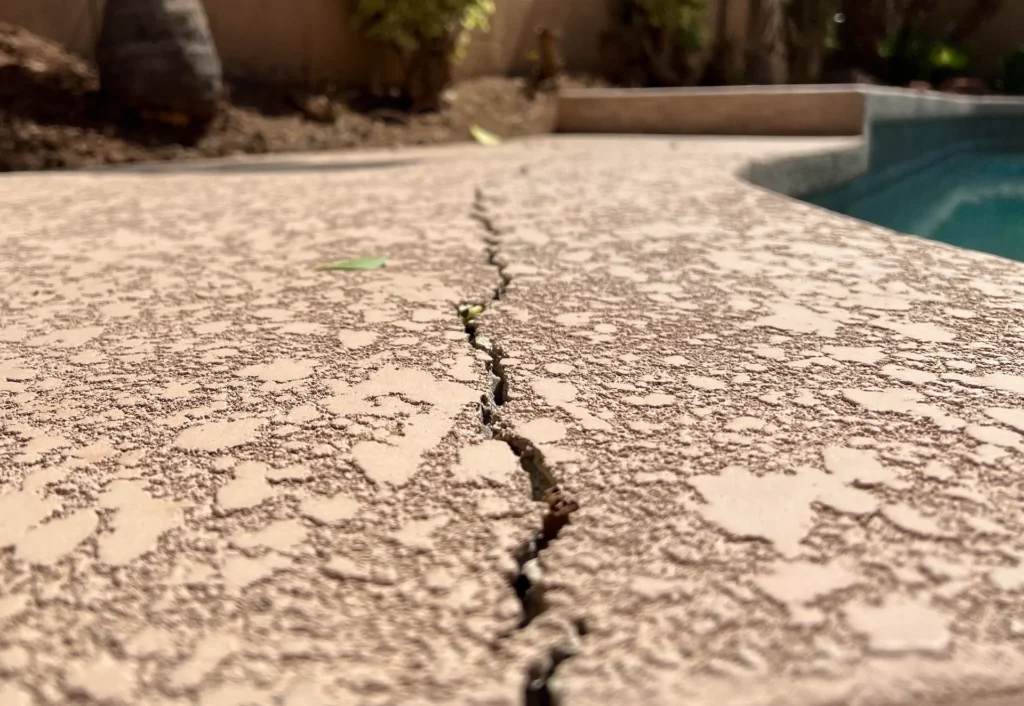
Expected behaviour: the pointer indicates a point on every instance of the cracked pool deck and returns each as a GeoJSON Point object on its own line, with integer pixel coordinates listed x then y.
{"type": "Point", "coordinates": [789, 444]}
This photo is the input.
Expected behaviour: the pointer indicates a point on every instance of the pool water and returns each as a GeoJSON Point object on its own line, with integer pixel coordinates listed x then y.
{"type": "Point", "coordinates": [974, 200]}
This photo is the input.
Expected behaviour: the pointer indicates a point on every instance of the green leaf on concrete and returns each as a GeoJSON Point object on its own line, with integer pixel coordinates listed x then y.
{"type": "Point", "coordinates": [359, 263]}
{"type": "Point", "coordinates": [484, 137]}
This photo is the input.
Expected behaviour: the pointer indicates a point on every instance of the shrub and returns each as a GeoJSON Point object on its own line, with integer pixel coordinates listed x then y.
{"type": "Point", "coordinates": [652, 41]}
{"type": "Point", "coordinates": [428, 36]}
{"type": "Point", "coordinates": [812, 34]}
{"type": "Point", "coordinates": [1011, 77]}
{"type": "Point", "coordinates": [946, 61]}
{"type": "Point", "coordinates": [682, 20]}
{"type": "Point", "coordinates": [922, 59]}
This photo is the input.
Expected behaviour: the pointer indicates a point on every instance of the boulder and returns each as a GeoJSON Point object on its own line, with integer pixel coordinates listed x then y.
{"type": "Point", "coordinates": [159, 56]}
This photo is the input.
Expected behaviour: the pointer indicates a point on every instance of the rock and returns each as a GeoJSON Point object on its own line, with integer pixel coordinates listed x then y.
{"type": "Point", "coordinates": [159, 55]}
{"type": "Point", "coordinates": [317, 108]}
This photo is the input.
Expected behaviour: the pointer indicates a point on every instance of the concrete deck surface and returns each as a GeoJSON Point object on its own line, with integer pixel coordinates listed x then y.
{"type": "Point", "coordinates": [230, 479]}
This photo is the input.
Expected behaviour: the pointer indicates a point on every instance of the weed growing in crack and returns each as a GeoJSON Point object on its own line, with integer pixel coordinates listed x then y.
{"type": "Point", "coordinates": [468, 312]}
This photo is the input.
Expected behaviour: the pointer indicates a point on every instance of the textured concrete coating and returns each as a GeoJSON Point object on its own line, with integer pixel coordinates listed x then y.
{"type": "Point", "coordinates": [230, 479]}
{"type": "Point", "coordinates": [795, 438]}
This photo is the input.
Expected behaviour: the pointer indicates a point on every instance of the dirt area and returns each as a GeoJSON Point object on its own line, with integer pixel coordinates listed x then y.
{"type": "Point", "coordinates": [52, 115]}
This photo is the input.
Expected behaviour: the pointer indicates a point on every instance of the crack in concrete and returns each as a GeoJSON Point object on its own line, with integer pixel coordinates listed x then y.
{"type": "Point", "coordinates": [527, 581]}
{"type": "Point", "coordinates": [492, 238]}
{"type": "Point", "coordinates": [538, 691]}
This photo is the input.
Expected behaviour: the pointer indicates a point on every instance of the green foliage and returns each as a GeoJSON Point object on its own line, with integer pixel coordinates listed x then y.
{"type": "Point", "coordinates": [946, 57]}
{"type": "Point", "coordinates": [468, 312]}
{"type": "Point", "coordinates": [922, 59]}
{"type": "Point", "coordinates": [653, 41]}
{"type": "Point", "coordinates": [1011, 77]}
{"type": "Point", "coordinates": [683, 20]}
{"type": "Point", "coordinates": [406, 24]}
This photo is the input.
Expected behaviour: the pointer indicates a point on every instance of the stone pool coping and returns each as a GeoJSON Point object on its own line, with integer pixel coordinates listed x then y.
{"type": "Point", "coordinates": [825, 110]}
{"type": "Point", "coordinates": [839, 110]}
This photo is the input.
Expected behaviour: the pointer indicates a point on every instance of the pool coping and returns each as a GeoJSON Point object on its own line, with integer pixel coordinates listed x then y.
{"type": "Point", "coordinates": [818, 110]}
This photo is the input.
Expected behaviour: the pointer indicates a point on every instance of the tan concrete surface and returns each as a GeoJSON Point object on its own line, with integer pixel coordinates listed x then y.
{"type": "Point", "coordinates": [795, 437]}
{"type": "Point", "coordinates": [208, 448]}
{"type": "Point", "coordinates": [230, 479]}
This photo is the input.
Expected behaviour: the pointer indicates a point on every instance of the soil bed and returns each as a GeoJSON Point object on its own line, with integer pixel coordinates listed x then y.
{"type": "Point", "coordinates": [53, 116]}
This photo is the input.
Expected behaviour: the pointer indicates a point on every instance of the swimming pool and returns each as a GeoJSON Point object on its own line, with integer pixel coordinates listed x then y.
{"type": "Point", "coordinates": [966, 192]}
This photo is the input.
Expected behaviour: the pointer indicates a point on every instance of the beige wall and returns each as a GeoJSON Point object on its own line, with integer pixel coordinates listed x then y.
{"type": "Point", "coordinates": [295, 40]}
{"type": "Point", "coordinates": [310, 40]}
{"type": "Point", "coordinates": [73, 23]}
{"type": "Point", "coordinates": [580, 22]}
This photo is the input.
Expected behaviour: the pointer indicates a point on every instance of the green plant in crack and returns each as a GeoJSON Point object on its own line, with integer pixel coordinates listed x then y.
{"type": "Point", "coordinates": [468, 312]}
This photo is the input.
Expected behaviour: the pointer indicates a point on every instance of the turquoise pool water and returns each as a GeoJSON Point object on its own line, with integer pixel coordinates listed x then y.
{"type": "Point", "coordinates": [974, 200]}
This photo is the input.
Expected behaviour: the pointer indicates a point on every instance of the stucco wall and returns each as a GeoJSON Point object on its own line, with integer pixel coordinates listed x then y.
{"type": "Point", "coordinates": [309, 40]}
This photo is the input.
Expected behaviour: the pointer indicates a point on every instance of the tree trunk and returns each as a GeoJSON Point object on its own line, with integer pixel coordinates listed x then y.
{"type": "Point", "coordinates": [728, 58]}
{"type": "Point", "coordinates": [807, 31]}
{"type": "Point", "coordinates": [910, 20]}
{"type": "Point", "coordinates": [159, 55]}
{"type": "Point", "coordinates": [980, 12]}
{"type": "Point", "coordinates": [716, 72]}
{"type": "Point", "coordinates": [660, 58]}
{"type": "Point", "coordinates": [767, 62]}
{"type": "Point", "coordinates": [428, 73]}
{"type": "Point", "coordinates": [859, 35]}
{"type": "Point", "coordinates": [903, 67]}
{"type": "Point", "coordinates": [737, 33]}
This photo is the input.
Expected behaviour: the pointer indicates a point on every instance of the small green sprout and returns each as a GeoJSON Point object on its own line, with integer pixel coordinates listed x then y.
{"type": "Point", "coordinates": [468, 312]}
